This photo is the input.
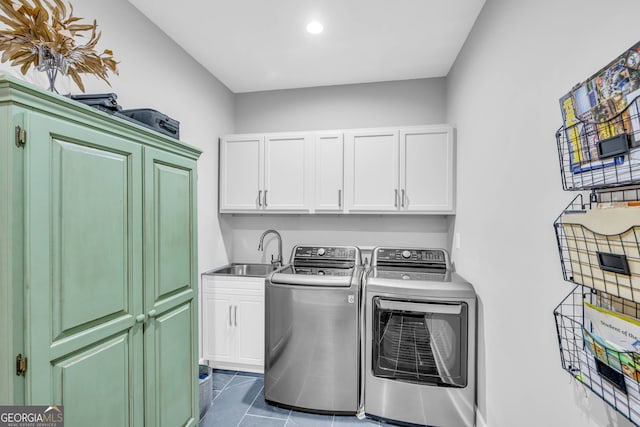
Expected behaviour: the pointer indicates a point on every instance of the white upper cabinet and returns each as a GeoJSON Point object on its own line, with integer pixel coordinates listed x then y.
{"type": "Point", "coordinates": [427, 170]}
{"type": "Point", "coordinates": [287, 176]}
{"type": "Point", "coordinates": [371, 170]}
{"type": "Point", "coordinates": [385, 170]}
{"type": "Point", "coordinates": [241, 172]}
{"type": "Point", "coordinates": [329, 172]}
{"type": "Point", "coordinates": [265, 173]}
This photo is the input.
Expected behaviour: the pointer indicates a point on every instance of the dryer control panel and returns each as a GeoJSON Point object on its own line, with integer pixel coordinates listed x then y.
{"type": "Point", "coordinates": [411, 256]}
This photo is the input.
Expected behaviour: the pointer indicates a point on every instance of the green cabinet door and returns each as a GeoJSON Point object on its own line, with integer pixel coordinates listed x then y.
{"type": "Point", "coordinates": [83, 273]}
{"type": "Point", "coordinates": [170, 278]}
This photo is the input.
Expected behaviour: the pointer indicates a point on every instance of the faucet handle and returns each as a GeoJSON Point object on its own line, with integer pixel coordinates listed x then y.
{"type": "Point", "coordinates": [276, 262]}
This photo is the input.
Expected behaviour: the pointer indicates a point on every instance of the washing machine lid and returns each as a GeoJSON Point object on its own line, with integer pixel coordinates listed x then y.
{"type": "Point", "coordinates": [315, 276]}
{"type": "Point", "coordinates": [315, 265]}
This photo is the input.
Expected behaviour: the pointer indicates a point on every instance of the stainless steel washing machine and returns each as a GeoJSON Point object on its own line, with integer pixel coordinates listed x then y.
{"type": "Point", "coordinates": [312, 335]}
{"type": "Point", "coordinates": [420, 339]}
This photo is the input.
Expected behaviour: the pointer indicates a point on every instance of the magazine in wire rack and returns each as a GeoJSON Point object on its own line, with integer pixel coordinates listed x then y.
{"type": "Point", "coordinates": [599, 142]}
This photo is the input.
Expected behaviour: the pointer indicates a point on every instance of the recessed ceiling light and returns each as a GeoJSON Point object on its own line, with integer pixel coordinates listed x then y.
{"type": "Point", "coordinates": [314, 27]}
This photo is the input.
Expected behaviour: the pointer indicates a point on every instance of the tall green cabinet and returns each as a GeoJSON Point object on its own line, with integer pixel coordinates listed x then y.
{"type": "Point", "coordinates": [98, 273]}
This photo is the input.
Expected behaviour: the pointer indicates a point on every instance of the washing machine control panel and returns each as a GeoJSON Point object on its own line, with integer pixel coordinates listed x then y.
{"type": "Point", "coordinates": [409, 255]}
{"type": "Point", "coordinates": [338, 253]}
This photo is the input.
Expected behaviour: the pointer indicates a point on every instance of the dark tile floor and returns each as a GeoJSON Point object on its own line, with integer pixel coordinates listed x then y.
{"type": "Point", "coordinates": [238, 401]}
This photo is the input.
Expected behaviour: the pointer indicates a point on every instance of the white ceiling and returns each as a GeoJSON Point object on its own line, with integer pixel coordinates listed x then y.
{"type": "Point", "coordinates": [256, 45]}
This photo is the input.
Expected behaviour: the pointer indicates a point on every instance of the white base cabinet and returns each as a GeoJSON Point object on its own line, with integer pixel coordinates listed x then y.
{"type": "Point", "coordinates": [233, 322]}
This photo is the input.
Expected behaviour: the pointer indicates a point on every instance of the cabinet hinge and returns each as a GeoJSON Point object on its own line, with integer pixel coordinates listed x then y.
{"type": "Point", "coordinates": [21, 365]}
{"type": "Point", "coordinates": [21, 137]}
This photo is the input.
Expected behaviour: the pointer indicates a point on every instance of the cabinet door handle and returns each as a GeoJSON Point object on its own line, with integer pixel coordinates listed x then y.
{"type": "Point", "coordinates": [141, 318]}
{"type": "Point", "coordinates": [395, 198]}
{"type": "Point", "coordinates": [235, 315]}
{"type": "Point", "coordinates": [340, 198]}
{"type": "Point", "coordinates": [152, 313]}
{"type": "Point", "coordinates": [402, 198]}
{"type": "Point", "coordinates": [230, 324]}
{"type": "Point", "coordinates": [265, 198]}
{"type": "Point", "coordinates": [259, 198]}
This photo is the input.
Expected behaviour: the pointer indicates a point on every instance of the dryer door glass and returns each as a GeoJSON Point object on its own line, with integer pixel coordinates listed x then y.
{"type": "Point", "coordinates": [421, 342]}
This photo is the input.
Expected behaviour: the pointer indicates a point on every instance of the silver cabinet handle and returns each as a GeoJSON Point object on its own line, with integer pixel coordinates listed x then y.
{"type": "Point", "coordinates": [402, 198]}
{"type": "Point", "coordinates": [339, 198]}
{"type": "Point", "coordinates": [395, 198]}
{"type": "Point", "coordinates": [259, 198]}
{"type": "Point", "coordinates": [230, 324]}
{"type": "Point", "coordinates": [235, 315]}
{"type": "Point", "coordinates": [265, 198]}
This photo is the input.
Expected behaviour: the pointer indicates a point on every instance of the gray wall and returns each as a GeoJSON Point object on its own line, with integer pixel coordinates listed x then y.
{"type": "Point", "coordinates": [409, 102]}
{"type": "Point", "coordinates": [502, 96]}
{"type": "Point", "coordinates": [156, 73]}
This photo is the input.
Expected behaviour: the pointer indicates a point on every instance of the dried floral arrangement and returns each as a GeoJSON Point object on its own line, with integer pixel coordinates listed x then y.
{"type": "Point", "coordinates": [43, 33]}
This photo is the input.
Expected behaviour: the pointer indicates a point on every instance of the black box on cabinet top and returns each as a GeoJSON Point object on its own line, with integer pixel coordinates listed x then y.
{"type": "Point", "coordinates": [154, 120]}
{"type": "Point", "coordinates": [107, 102]}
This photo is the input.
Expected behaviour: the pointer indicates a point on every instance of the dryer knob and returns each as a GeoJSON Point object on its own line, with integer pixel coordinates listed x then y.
{"type": "Point", "coordinates": [406, 254]}
{"type": "Point", "coordinates": [321, 251]}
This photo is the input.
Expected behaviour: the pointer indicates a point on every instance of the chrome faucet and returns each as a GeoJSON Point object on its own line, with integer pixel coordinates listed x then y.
{"type": "Point", "coordinates": [278, 261]}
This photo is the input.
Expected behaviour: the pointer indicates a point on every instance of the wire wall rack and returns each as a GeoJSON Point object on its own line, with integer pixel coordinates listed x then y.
{"type": "Point", "coordinates": [612, 375]}
{"type": "Point", "coordinates": [601, 154]}
{"type": "Point", "coordinates": [599, 241]}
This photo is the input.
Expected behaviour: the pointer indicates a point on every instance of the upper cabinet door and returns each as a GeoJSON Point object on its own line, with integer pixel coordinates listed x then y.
{"type": "Point", "coordinates": [241, 172]}
{"type": "Point", "coordinates": [287, 177]}
{"type": "Point", "coordinates": [329, 167]}
{"type": "Point", "coordinates": [427, 170]}
{"type": "Point", "coordinates": [371, 170]}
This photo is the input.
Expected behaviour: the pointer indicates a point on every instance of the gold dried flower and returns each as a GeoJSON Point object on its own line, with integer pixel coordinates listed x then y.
{"type": "Point", "coordinates": [42, 34]}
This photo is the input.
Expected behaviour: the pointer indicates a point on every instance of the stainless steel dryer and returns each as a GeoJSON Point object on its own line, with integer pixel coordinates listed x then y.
{"type": "Point", "coordinates": [420, 339]}
{"type": "Point", "coordinates": [312, 336]}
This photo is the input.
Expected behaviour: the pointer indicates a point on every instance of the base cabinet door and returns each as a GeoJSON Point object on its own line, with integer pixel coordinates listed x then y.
{"type": "Point", "coordinates": [249, 312]}
{"type": "Point", "coordinates": [233, 322]}
{"type": "Point", "coordinates": [217, 315]}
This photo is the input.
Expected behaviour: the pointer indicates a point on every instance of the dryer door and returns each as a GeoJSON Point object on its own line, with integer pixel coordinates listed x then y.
{"type": "Point", "coordinates": [420, 341]}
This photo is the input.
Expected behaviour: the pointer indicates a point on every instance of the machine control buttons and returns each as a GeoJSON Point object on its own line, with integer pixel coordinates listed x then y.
{"type": "Point", "coordinates": [337, 253]}
{"type": "Point", "coordinates": [418, 257]}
